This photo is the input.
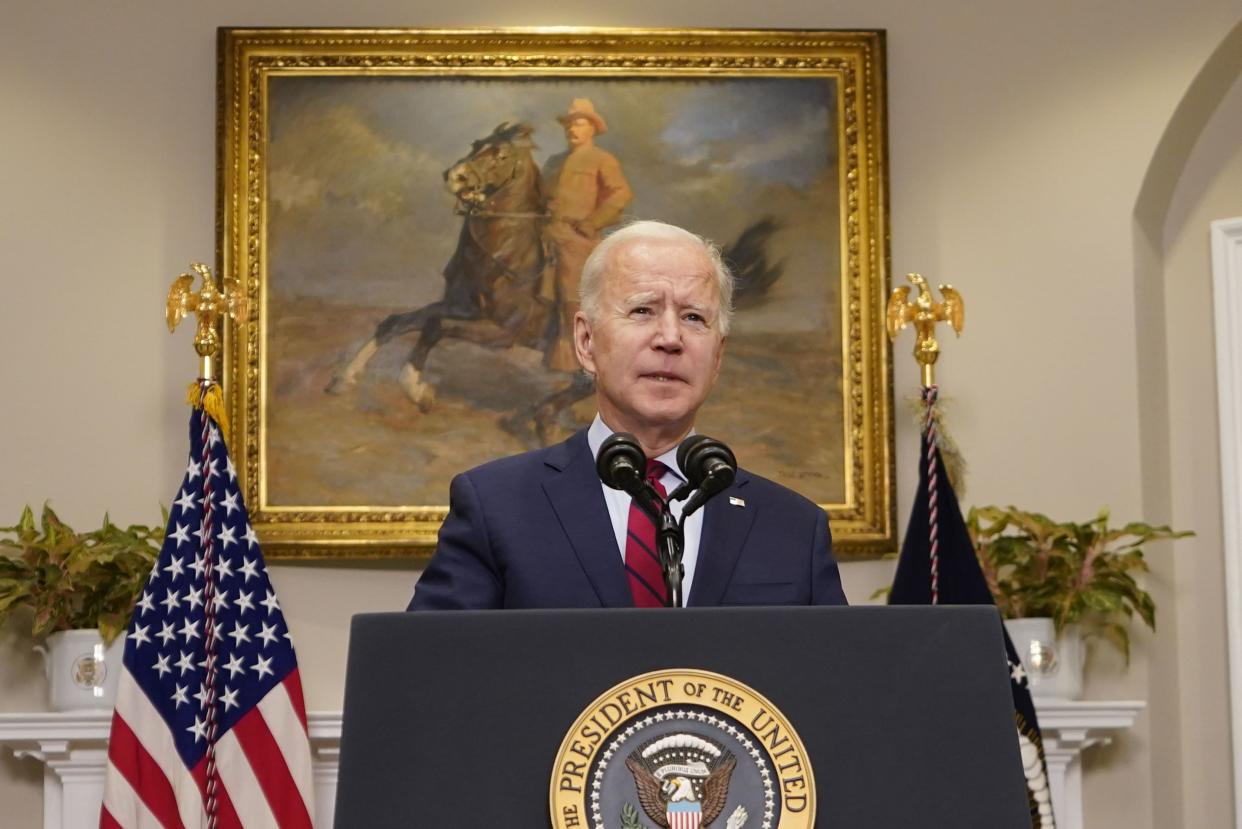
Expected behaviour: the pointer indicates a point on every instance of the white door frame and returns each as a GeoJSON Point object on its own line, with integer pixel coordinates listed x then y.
{"type": "Point", "coordinates": [1227, 291]}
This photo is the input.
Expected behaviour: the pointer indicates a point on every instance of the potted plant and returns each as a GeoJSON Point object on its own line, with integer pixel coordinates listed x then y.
{"type": "Point", "coordinates": [81, 589]}
{"type": "Point", "coordinates": [1057, 581]}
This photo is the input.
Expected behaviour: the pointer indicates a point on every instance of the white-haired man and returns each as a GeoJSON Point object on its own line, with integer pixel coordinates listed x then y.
{"type": "Point", "coordinates": [541, 530]}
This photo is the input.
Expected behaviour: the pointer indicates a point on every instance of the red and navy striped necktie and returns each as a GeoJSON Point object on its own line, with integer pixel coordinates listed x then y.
{"type": "Point", "coordinates": [642, 562]}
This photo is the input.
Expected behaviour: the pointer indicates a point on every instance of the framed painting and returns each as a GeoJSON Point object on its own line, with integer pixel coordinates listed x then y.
{"type": "Point", "coordinates": [385, 198]}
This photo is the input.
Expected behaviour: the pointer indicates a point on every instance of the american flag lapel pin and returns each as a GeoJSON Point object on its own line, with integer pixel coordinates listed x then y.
{"type": "Point", "coordinates": [737, 502]}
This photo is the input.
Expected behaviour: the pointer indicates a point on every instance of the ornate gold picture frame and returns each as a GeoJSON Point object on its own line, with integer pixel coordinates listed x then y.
{"type": "Point", "coordinates": [362, 381]}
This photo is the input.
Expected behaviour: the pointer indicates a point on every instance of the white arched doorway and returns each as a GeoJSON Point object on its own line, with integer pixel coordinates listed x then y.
{"type": "Point", "coordinates": [1190, 182]}
{"type": "Point", "coordinates": [1227, 292]}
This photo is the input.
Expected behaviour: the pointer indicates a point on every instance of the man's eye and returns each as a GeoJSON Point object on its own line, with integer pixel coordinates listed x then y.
{"type": "Point", "coordinates": [642, 310]}
{"type": "Point", "coordinates": [695, 317]}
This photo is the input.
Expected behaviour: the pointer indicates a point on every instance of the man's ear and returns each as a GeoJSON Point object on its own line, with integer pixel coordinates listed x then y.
{"type": "Point", "coordinates": [719, 357]}
{"type": "Point", "coordinates": [584, 342]}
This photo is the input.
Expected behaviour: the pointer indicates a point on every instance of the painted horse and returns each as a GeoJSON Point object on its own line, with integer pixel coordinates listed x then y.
{"type": "Point", "coordinates": [491, 291]}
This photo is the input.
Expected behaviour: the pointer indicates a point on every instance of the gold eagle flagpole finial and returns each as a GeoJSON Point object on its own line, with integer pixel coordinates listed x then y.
{"type": "Point", "coordinates": [924, 312]}
{"type": "Point", "coordinates": [212, 305]}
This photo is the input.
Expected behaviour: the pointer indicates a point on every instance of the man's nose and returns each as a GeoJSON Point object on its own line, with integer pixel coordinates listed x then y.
{"type": "Point", "coordinates": [668, 332]}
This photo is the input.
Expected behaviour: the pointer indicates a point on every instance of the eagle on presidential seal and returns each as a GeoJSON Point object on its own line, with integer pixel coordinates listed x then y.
{"type": "Point", "coordinates": [683, 780]}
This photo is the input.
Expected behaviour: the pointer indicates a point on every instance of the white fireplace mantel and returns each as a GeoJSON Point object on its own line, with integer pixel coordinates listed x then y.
{"type": "Point", "coordinates": [1069, 728]}
{"type": "Point", "coordinates": [73, 748]}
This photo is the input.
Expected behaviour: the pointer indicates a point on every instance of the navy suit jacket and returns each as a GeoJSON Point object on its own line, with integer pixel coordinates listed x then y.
{"type": "Point", "coordinates": [532, 531]}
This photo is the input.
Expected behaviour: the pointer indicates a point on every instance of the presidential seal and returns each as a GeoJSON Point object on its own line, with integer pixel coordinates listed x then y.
{"type": "Point", "coordinates": [682, 749]}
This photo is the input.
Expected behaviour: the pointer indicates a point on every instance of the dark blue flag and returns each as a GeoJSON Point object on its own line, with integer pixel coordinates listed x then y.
{"type": "Point", "coordinates": [938, 565]}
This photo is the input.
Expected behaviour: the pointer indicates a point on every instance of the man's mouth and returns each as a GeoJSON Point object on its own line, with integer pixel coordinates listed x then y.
{"type": "Point", "coordinates": [662, 377]}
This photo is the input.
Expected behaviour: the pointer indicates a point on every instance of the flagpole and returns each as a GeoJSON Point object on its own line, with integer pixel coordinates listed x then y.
{"type": "Point", "coordinates": [924, 313]}
{"type": "Point", "coordinates": [212, 306]}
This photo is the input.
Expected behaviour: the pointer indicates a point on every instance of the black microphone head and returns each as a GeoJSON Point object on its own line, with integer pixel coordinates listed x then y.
{"type": "Point", "coordinates": [621, 463]}
{"type": "Point", "coordinates": [705, 460]}
{"type": "Point", "coordinates": [683, 455]}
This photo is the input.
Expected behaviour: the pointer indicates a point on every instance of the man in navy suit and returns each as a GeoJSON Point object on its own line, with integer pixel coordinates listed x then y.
{"type": "Point", "coordinates": [541, 530]}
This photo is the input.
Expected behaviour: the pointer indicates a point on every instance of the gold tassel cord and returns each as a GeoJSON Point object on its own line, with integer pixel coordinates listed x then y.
{"type": "Point", "coordinates": [210, 401]}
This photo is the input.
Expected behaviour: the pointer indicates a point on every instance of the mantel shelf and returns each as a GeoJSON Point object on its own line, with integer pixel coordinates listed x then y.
{"type": "Point", "coordinates": [72, 746]}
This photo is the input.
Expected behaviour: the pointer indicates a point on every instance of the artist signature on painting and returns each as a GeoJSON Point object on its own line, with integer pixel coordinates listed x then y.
{"type": "Point", "coordinates": [803, 474]}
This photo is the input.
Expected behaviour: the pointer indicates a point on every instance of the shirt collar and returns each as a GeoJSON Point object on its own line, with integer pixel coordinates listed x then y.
{"type": "Point", "coordinates": [599, 432]}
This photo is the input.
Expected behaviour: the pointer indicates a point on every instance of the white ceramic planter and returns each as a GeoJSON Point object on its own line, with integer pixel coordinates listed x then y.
{"type": "Point", "coordinates": [81, 672]}
{"type": "Point", "coordinates": [1053, 664]}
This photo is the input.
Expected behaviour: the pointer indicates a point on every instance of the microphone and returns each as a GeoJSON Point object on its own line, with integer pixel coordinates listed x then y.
{"type": "Point", "coordinates": [621, 463]}
{"type": "Point", "coordinates": [709, 465]}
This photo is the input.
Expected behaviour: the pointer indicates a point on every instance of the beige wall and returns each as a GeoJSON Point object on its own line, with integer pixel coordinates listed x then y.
{"type": "Point", "coordinates": [1021, 137]}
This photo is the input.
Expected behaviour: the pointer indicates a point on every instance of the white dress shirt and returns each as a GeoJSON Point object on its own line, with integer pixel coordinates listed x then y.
{"type": "Point", "coordinates": [619, 505]}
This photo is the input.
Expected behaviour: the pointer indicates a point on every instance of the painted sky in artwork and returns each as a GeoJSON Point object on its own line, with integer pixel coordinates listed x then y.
{"type": "Point", "coordinates": [358, 211]}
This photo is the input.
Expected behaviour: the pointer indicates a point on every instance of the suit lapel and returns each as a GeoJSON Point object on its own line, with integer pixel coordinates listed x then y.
{"type": "Point", "coordinates": [574, 491]}
{"type": "Point", "coordinates": [725, 529]}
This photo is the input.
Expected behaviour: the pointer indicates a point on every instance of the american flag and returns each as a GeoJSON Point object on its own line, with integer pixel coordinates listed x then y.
{"type": "Point", "coordinates": [210, 727]}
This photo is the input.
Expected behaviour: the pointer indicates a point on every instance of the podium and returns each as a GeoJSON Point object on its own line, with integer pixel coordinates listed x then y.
{"type": "Point", "coordinates": [459, 719]}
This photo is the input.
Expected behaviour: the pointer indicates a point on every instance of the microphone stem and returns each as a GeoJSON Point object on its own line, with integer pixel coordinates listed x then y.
{"type": "Point", "coordinates": [671, 542]}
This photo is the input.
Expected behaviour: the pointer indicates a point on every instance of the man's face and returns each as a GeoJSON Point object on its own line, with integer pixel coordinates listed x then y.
{"type": "Point", "coordinates": [655, 348]}
{"type": "Point", "coordinates": [579, 131]}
